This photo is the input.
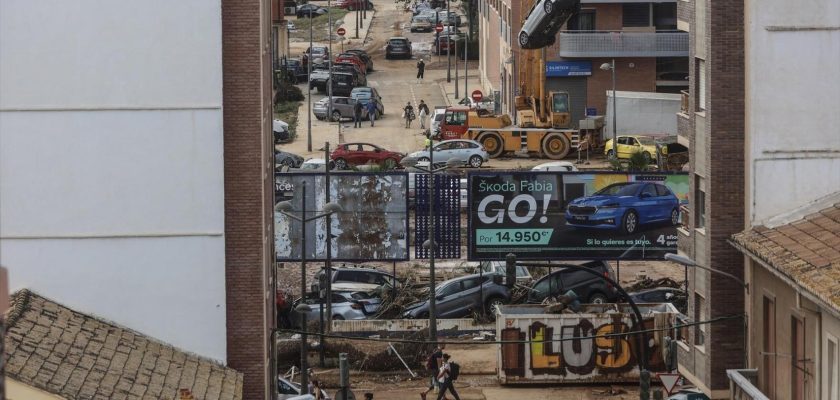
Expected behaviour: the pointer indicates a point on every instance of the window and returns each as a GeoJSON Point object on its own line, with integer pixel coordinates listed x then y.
{"type": "Point", "coordinates": [662, 190]}
{"type": "Point", "coordinates": [701, 85]}
{"type": "Point", "coordinates": [470, 283]}
{"type": "Point", "coordinates": [649, 190]}
{"type": "Point", "coordinates": [450, 289]}
{"type": "Point", "coordinates": [699, 202]}
{"type": "Point", "coordinates": [665, 16]}
{"type": "Point", "coordinates": [582, 21]}
{"type": "Point", "coordinates": [635, 15]}
{"type": "Point", "coordinates": [768, 348]}
{"type": "Point", "coordinates": [797, 358]}
{"type": "Point", "coordinates": [560, 102]}
{"type": "Point", "coordinates": [573, 278]}
{"type": "Point", "coordinates": [699, 316]}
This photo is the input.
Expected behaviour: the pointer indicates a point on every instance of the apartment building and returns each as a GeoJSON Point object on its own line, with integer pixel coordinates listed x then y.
{"type": "Point", "coordinates": [650, 54]}
{"type": "Point", "coordinates": [135, 168]}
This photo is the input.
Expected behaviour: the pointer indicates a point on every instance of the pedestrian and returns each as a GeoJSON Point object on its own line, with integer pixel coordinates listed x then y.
{"type": "Point", "coordinates": [371, 109]}
{"type": "Point", "coordinates": [433, 363]}
{"type": "Point", "coordinates": [357, 114]}
{"type": "Point", "coordinates": [423, 113]}
{"type": "Point", "coordinates": [408, 114]}
{"type": "Point", "coordinates": [315, 390]}
{"type": "Point", "coordinates": [421, 69]}
{"type": "Point", "coordinates": [284, 308]}
{"type": "Point", "coordinates": [445, 376]}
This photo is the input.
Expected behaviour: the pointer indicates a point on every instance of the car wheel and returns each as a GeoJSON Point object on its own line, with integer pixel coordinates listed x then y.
{"type": "Point", "coordinates": [610, 155]}
{"type": "Point", "coordinates": [493, 303]}
{"type": "Point", "coordinates": [556, 146]}
{"type": "Point", "coordinates": [340, 163]}
{"type": "Point", "coordinates": [598, 298]}
{"type": "Point", "coordinates": [389, 164]}
{"type": "Point", "coordinates": [523, 39]}
{"type": "Point", "coordinates": [548, 6]}
{"type": "Point", "coordinates": [630, 222]}
{"type": "Point", "coordinates": [492, 143]}
{"type": "Point", "coordinates": [476, 161]}
{"type": "Point", "coordinates": [646, 155]}
{"type": "Point", "coordinates": [675, 217]}
{"type": "Point", "coordinates": [377, 115]}
{"type": "Point", "coordinates": [336, 116]}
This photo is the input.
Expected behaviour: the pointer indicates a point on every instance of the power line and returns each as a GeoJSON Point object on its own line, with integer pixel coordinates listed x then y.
{"type": "Point", "coordinates": [561, 339]}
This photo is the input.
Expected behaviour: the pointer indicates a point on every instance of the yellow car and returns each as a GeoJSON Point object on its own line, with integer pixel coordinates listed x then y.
{"type": "Point", "coordinates": [629, 144]}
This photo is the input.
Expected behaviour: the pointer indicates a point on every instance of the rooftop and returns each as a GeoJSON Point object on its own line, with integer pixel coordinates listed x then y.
{"type": "Point", "coordinates": [77, 356]}
{"type": "Point", "coordinates": [806, 250]}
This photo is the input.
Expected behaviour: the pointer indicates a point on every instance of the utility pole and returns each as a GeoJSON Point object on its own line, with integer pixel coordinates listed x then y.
{"type": "Point", "coordinates": [456, 66]}
{"type": "Point", "coordinates": [309, 91]}
{"type": "Point", "coordinates": [448, 46]}
{"type": "Point", "coordinates": [329, 63]}
{"type": "Point", "coordinates": [466, 57]}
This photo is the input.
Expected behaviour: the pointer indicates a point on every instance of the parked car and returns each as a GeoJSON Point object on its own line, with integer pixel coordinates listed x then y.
{"type": "Point", "coordinates": [342, 107]}
{"type": "Point", "coordinates": [281, 132]}
{"type": "Point", "coordinates": [353, 69]}
{"type": "Point", "coordinates": [563, 166]}
{"type": "Point", "coordinates": [629, 144]}
{"type": "Point", "coordinates": [483, 107]}
{"type": "Point", "coordinates": [296, 70]}
{"type": "Point", "coordinates": [289, 390]}
{"type": "Point", "coordinates": [689, 394]}
{"type": "Point", "coordinates": [364, 153]}
{"type": "Point", "coordinates": [459, 297]}
{"type": "Point", "coordinates": [469, 152]}
{"type": "Point", "coordinates": [398, 47]}
{"type": "Point", "coordinates": [453, 18]}
{"type": "Point", "coordinates": [352, 58]}
{"type": "Point", "coordinates": [444, 43]}
{"type": "Point", "coordinates": [355, 279]}
{"type": "Point", "coordinates": [343, 308]}
{"type": "Point", "coordinates": [661, 295]}
{"type": "Point", "coordinates": [365, 95]}
{"type": "Point", "coordinates": [288, 159]}
{"type": "Point", "coordinates": [422, 24]}
{"type": "Point", "coordinates": [365, 57]}
{"type": "Point", "coordinates": [310, 10]}
{"type": "Point", "coordinates": [315, 164]}
{"type": "Point", "coordinates": [318, 54]}
{"type": "Point", "coordinates": [318, 79]}
{"type": "Point", "coordinates": [437, 119]}
{"type": "Point", "coordinates": [499, 268]}
{"type": "Point", "coordinates": [625, 206]}
{"type": "Point", "coordinates": [543, 22]}
{"type": "Point", "coordinates": [343, 83]}
{"type": "Point", "coordinates": [353, 5]}
{"type": "Point", "coordinates": [589, 288]}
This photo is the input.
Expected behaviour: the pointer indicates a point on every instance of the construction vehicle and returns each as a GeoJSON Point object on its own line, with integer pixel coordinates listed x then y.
{"type": "Point", "coordinates": [544, 121]}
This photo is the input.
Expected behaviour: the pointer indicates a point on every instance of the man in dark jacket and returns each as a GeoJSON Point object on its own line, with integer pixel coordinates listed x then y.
{"type": "Point", "coordinates": [357, 114]}
{"type": "Point", "coordinates": [421, 69]}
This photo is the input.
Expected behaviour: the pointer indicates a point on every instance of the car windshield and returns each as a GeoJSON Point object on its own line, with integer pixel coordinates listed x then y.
{"type": "Point", "coordinates": [644, 140]}
{"type": "Point", "coordinates": [619, 189]}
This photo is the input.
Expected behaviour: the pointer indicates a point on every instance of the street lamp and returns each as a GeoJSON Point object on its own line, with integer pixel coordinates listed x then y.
{"type": "Point", "coordinates": [448, 46]}
{"type": "Point", "coordinates": [611, 67]}
{"type": "Point", "coordinates": [285, 208]}
{"type": "Point", "coordinates": [430, 242]}
{"type": "Point", "coordinates": [455, 38]}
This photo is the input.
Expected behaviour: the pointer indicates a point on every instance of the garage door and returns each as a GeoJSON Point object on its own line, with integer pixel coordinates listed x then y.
{"type": "Point", "coordinates": [576, 87]}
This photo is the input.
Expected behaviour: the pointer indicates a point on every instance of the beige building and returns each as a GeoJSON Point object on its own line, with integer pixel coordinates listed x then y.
{"type": "Point", "coordinates": [793, 271]}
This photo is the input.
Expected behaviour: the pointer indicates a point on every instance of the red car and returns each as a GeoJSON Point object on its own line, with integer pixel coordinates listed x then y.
{"type": "Point", "coordinates": [352, 58]}
{"type": "Point", "coordinates": [365, 153]}
{"type": "Point", "coordinates": [353, 5]}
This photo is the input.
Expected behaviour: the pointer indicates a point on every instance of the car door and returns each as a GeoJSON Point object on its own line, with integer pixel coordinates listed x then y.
{"type": "Point", "coordinates": [665, 202]}
{"type": "Point", "coordinates": [470, 297]}
{"type": "Point", "coordinates": [442, 152]}
{"type": "Point", "coordinates": [446, 304]}
{"type": "Point", "coordinates": [647, 204]}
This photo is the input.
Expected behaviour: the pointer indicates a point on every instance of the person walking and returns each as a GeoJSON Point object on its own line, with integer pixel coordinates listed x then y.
{"type": "Point", "coordinates": [445, 378]}
{"type": "Point", "coordinates": [371, 109]}
{"type": "Point", "coordinates": [433, 363]}
{"type": "Point", "coordinates": [423, 112]}
{"type": "Point", "coordinates": [357, 114]}
{"type": "Point", "coordinates": [408, 114]}
{"type": "Point", "coordinates": [421, 69]}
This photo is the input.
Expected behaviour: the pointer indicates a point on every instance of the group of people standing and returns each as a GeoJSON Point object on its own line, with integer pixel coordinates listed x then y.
{"type": "Point", "coordinates": [408, 114]}
{"type": "Point", "coordinates": [357, 113]}
{"type": "Point", "coordinates": [408, 110]}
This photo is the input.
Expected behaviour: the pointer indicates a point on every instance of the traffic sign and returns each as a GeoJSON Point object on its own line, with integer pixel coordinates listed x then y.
{"type": "Point", "coordinates": [669, 381]}
{"type": "Point", "coordinates": [340, 31]}
{"type": "Point", "coordinates": [477, 95]}
{"type": "Point", "coordinates": [439, 28]}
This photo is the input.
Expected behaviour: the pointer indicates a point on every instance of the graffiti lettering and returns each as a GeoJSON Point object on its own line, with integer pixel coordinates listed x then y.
{"type": "Point", "coordinates": [614, 353]}
{"type": "Point", "coordinates": [542, 356]}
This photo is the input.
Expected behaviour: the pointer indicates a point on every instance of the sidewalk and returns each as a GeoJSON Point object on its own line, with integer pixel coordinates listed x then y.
{"type": "Point", "coordinates": [448, 88]}
{"type": "Point", "coordinates": [349, 25]}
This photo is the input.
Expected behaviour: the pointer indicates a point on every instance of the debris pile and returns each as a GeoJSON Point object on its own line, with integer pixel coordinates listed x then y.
{"type": "Point", "coordinates": [648, 283]}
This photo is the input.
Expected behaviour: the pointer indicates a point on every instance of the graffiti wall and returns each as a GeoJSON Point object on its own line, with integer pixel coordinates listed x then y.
{"type": "Point", "coordinates": [585, 347]}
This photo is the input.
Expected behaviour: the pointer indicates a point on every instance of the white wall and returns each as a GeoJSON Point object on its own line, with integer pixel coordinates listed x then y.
{"type": "Point", "coordinates": [793, 98]}
{"type": "Point", "coordinates": [111, 175]}
{"type": "Point", "coordinates": [643, 113]}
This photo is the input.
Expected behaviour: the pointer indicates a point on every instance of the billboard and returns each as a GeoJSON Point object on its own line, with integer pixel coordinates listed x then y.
{"type": "Point", "coordinates": [373, 225]}
{"type": "Point", "coordinates": [574, 215]}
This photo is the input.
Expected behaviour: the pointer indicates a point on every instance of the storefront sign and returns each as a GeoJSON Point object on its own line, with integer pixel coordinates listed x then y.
{"type": "Point", "coordinates": [568, 68]}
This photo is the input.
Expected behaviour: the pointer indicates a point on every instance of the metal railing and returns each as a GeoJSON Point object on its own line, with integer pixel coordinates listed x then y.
{"type": "Point", "coordinates": [742, 385]}
{"type": "Point", "coordinates": [623, 44]}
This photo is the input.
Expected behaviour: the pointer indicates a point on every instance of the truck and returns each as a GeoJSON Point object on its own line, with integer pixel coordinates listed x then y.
{"type": "Point", "coordinates": [544, 123]}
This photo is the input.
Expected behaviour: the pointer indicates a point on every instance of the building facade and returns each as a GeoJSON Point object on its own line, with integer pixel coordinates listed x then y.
{"type": "Point", "coordinates": [135, 162]}
{"type": "Point", "coordinates": [650, 54]}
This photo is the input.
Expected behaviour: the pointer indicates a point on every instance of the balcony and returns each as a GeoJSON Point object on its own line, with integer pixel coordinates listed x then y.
{"type": "Point", "coordinates": [623, 44]}
{"type": "Point", "coordinates": [742, 385]}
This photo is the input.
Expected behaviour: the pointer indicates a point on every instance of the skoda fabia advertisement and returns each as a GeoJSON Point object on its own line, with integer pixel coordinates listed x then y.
{"type": "Point", "coordinates": [575, 215]}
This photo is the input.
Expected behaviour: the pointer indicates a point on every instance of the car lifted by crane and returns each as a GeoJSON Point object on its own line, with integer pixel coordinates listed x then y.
{"type": "Point", "coordinates": [544, 122]}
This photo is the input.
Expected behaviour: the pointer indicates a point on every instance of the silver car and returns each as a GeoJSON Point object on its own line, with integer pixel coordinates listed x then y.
{"type": "Point", "coordinates": [469, 152]}
{"type": "Point", "coordinates": [289, 390]}
{"type": "Point", "coordinates": [344, 306]}
{"type": "Point", "coordinates": [544, 21]}
{"type": "Point", "coordinates": [342, 107]}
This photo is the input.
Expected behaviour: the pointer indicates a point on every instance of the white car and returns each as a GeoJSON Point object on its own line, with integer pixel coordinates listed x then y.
{"type": "Point", "coordinates": [315, 164]}
{"type": "Point", "coordinates": [437, 118]}
{"type": "Point", "coordinates": [562, 166]}
{"type": "Point", "coordinates": [469, 152]}
{"type": "Point", "coordinates": [289, 390]}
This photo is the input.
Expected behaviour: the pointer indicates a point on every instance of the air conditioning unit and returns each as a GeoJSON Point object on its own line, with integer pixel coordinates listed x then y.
{"type": "Point", "coordinates": [289, 10]}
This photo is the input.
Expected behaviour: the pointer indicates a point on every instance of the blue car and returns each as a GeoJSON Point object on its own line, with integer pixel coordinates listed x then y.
{"type": "Point", "coordinates": [624, 207]}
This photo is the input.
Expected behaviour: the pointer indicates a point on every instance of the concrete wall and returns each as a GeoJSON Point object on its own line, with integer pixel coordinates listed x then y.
{"type": "Point", "coordinates": [792, 118]}
{"type": "Point", "coordinates": [111, 179]}
{"type": "Point", "coordinates": [644, 113]}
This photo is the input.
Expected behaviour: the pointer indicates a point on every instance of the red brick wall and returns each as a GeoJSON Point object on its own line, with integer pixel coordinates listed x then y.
{"type": "Point", "coordinates": [640, 78]}
{"type": "Point", "coordinates": [248, 188]}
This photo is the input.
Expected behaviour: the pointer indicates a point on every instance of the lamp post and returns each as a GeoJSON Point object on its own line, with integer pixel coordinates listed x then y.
{"type": "Point", "coordinates": [285, 208]}
{"type": "Point", "coordinates": [611, 67]}
{"type": "Point", "coordinates": [309, 91]}
{"type": "Point", "coordinates": [430, 243]}
{"type": "Point", "coordinates": [455, 38]}
{"type": "Point", "coordinates": [448, 46]}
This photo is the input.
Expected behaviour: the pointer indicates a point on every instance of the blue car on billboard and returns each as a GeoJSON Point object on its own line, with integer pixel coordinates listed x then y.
{"type": "Point", "coordinates": [624, 207]}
